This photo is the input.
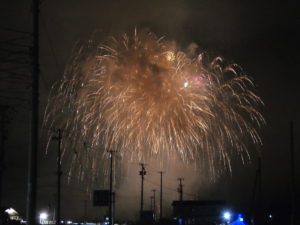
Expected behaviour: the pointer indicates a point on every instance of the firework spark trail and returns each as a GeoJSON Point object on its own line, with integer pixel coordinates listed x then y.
{"type": "Point", "coordinates": [144, 97]}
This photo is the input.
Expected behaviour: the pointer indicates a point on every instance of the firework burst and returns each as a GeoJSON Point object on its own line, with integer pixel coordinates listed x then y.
{"type": "Point", "coordinates": [142, 96]}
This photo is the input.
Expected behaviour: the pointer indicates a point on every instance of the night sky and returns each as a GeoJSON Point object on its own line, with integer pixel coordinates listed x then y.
{"type": "Point", "coordinates": [260, 36]}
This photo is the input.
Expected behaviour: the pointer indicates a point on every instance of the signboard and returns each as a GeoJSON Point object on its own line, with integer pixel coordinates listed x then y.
{"type": "Point", "coordinates": [101, 197]}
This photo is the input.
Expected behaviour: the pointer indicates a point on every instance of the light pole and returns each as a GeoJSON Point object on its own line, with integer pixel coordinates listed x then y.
{"type": "Point", "coordinates": [59, 173]}
{"type": "Point", "coordinates": [161, 195]}
{"type": "Point", "coordinates": [227, 217]}
{"type": "Point", "coordinates": [142, 174]}
{"type": "Point", "coordinates": [154, 203]}
{"type": "Point", "coordinates": [180, 189]}
{"type": "Point", "coordinates": [111, 195]}
{"type": "Point", "coordinates": [43, 217]}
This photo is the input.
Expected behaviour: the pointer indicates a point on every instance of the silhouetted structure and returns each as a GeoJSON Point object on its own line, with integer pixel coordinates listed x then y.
{"type": "Point", "coordinates": [111, 194]}
{"type": "Point", "coordinates": [198, 212]}
{"type": "Point", "coordinates": [180, 189]}
{"type": "Point", "coordinates": [148, 217]}
{"type": "Point", "coordinates": [161, 196]}
{"type": "Point", "coordinates": [34, 120]}
{"type": "Point", "coordinates": [59, 173]}
{"type": "Point", "coordinates": [142, 174]}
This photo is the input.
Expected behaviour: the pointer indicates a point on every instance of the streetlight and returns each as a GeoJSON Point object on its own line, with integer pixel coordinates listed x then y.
{"type": "Point", "coordinates": [43, 217]}
{"type": "Point", "coordinates": [227, 216]}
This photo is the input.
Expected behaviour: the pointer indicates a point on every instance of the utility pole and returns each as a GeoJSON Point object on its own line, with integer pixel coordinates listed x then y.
{"type": "Point", "coordinates": [53, 209]}
{"type": "Point", "coordinates": [180, 189]}
{"type": "Point", "coordinates": [85, 211]}
{"type": "Point", "coordinates": [2, 145]}
{"type": "Point", "coordinates": [111, 195]}
{"type": "Point", "coordinates": [34, 120]}
{"type": "Point", "coordinates": [161, 195]}
{"type": "Point", "coordinates": [59, 173]}
{"type": "Point", "coordinates": [293, 182]}
{"type": "Point", "coordinates": [154, 203]}
{"type": "Point", "coordinates": [151, 203]}
{"type": "Point", "coordinates": [257, 194]}
{"type": "Point", "coordinates": [142, 174]}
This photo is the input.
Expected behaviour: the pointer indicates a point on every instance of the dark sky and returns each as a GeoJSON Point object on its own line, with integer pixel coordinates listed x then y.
{"type": "Point", "coordinates": [260, 36]}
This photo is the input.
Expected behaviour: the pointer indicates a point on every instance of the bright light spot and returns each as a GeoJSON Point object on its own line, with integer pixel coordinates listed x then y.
{"type": "Point", "coordinates": [186, 84]}
{"type": "Point", "coordinates": [227, 215]}
{"type": "Point", "coordinates": [240, 217]}
{"type": "Point", "coordinates": [69, 222]}
{"type": "Point", "coordinates": [11, 211]}
{"type": "Point", "coordinates": [170, 56]}
{"type": "Point", "coordinates": [270, 216]}
{"type": "Point", "coordinates": [200, 57]}
{"type": "Point", "coordinates": [43, 216]}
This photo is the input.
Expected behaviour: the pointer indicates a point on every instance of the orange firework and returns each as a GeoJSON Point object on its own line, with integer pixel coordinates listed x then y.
{"type": "Point", "coordinates": [143, 97]}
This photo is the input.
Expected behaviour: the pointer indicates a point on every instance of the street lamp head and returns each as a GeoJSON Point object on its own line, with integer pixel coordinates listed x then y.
{"type": "Point", "coordinates": [43, 216]}
{"type": "Point", "coordinates": [227, 215]}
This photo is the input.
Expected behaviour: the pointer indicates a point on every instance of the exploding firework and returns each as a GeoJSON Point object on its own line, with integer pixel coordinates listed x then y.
{"type": "Point", "coordinates": [142, 96]}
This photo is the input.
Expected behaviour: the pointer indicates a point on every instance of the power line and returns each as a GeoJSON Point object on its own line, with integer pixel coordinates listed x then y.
{"type": "Point", "coordinates": [14, 67]}
{"type": "Point", "coordinates": [169, 188]}
{"type": "Point", "coordinates": [15, 31]}
{"type": "Point", "coordinates": [52, 51]}
{"type": "Point", "coordinates": [127, 196]}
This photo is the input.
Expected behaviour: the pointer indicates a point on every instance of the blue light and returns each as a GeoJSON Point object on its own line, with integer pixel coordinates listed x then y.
{"type": "Point", "coordinates": [239, 220]}
{"type": "Point", "coordinates": [180, 221]}
{"type": "Point", "coordinates": [240, 217]}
